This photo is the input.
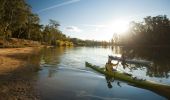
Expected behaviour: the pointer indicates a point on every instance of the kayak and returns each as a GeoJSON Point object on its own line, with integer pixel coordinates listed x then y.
{"type": "Point", "coordinates": [161, 89]}
{"type": "Point", "coordinates": [131, 61]}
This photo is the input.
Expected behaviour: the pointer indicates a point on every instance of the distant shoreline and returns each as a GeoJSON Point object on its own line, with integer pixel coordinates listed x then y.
{"type": "Point", "coordinates": [150, 46]}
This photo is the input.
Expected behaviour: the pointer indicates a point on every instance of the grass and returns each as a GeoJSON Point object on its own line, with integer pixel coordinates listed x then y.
{"type": "Point", "coordinates": [18, 43]}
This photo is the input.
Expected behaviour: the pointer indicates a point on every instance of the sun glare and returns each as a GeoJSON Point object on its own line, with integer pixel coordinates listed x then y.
{"type": "Point", "coordinates": [119, 26]}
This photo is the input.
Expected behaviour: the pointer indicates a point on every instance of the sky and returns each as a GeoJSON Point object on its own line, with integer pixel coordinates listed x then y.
{"type": "Point", "coordinates": [97, 19]}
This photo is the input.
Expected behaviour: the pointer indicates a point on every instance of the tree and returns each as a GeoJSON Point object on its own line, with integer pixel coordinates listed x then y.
{"type": "Point", "coordinates": [14, 15]}
{"type": "Point", "coordinates": [34, 28]}
{"type": "Point", "coordinates": [152, 31]}
{"type": "Point", "coordinates": [51, 33]}
{"type": "Point", "coordinates": [54, 24]}
{"type": "Point", "coordinates": [18, 21]}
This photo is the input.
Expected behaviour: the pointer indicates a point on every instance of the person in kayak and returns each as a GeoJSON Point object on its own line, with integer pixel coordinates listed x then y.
{"type": "Point", "coordinates": [109, 66]}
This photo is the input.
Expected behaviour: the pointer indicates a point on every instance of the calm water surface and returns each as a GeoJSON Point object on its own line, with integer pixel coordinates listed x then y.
{"type": "Point", "coordinates": [65, 77]}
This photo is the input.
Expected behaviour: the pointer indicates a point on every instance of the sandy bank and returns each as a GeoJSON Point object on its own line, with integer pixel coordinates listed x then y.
{"type": "Point", "coordinates": [16, 66]}
{"type": "Point", "coordinates": [12, 59]}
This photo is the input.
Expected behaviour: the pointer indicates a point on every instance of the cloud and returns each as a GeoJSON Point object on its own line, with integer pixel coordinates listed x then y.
{"type": "Point", "coordinates": [73, 29]}
{"type": "Point", "coordinates": [58, 5]}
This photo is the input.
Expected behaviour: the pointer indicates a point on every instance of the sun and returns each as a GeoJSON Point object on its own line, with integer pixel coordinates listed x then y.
{"type": "Point", "coordinates": [119, 26]}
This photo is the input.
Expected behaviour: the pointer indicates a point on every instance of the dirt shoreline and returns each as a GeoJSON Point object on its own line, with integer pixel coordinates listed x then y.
{"type": "Point", "coordinates": [12, 59]}
{"type": "Point", "coordinates": [15, 66]}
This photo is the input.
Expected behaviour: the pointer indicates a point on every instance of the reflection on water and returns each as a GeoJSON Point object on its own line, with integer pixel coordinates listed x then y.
{"type": "Point", "coordinates": [21, 85]}
{"type": "Point", "coordinates": [160, 57]}
{"type": "Point", "coordinates": [64, 73]}
{"type": "Point", "coordinates": [51, 56]}
{"type": "Point", "coordinates": [78, 85]}
{"type": "Point", "coordinates": [63, 76]}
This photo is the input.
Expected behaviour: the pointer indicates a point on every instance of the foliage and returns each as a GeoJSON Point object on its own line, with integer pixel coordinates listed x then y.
{"type": "Point", "coordinates": [152, 31]}
{"type": "Point", "coordinates": [18, 21]}
{"type": "Point", "coordinates": [52, 35]}
{"type": "Point", "coordinates": [79, 42]}
{"type": "Point", "coordinates": [13, 16]}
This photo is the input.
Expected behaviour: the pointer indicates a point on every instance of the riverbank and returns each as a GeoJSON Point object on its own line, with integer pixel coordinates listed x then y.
{"type": "Point", "coordinates": [14, 59]}
{"type": "Point", "coordinates": [141, 45]}
{"type": "Point", "coordinates": [16, 68]}
{"type": "Point", "coordinates": [18, 43]}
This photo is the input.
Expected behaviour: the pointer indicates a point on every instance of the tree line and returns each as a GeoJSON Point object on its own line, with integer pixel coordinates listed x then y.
{"type": "Point", "coordinates": [152, 31]}
{"type": "Point", "coordinates": [18, 21]}
{"type": "Point", "coordinates": [80, 42]}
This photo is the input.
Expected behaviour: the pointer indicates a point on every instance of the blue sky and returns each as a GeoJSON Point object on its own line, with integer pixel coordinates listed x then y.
{"type": "Point", "coordinates": [97, 19]}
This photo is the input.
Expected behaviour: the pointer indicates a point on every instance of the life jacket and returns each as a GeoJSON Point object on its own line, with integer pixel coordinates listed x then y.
{"type": "Point", "coordinates": [109, 67]}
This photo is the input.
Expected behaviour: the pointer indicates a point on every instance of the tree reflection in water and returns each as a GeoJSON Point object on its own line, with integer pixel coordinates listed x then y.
{"type": "Point", "coordinates": [159, 56]}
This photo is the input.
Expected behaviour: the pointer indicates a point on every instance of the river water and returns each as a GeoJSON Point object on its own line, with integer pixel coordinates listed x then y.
{"type": "Point", "coordinates": [63, 75]}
